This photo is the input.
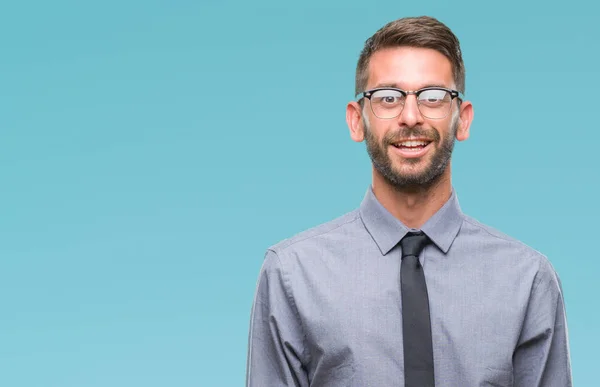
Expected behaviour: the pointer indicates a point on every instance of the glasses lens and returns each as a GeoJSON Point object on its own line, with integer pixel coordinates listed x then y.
{"type": "Point", "coordinates": [435, 103]}
{"type": "Point", "coordinates": [387, 103]}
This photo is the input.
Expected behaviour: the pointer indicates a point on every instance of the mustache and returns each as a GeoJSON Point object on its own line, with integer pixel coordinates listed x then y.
{"type": "Point", "coordinates": [416, 131]}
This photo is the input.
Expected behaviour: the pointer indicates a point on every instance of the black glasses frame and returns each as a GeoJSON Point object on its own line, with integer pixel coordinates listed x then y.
{"type": "Point", "coordinates": [368, 93]}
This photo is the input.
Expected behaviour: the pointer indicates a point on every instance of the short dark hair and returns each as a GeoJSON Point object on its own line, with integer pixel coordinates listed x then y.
{"type": "Point", "coordinates": [420, 32]}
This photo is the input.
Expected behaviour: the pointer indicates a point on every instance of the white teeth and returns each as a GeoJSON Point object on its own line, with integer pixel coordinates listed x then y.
{"type": "Point", "coordinates": [412, 143]}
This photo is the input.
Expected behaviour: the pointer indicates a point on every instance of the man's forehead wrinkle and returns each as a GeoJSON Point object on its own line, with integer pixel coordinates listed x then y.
{"type": "Point", "coordinates": [425, 67]}
{"type": "Point", "coordinates": [398, 85]}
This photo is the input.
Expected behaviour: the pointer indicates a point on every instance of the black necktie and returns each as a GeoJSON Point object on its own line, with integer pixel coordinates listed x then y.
{"type": "Point", "coordinates": [416, 324]}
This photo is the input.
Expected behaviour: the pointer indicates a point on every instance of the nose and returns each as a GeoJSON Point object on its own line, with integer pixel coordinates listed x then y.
{"type": "Point", "coordinates": [410, 115]}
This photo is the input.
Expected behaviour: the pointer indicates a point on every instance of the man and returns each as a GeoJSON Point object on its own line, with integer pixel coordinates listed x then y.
{"type": "Point", "coordinates": [407, 290]}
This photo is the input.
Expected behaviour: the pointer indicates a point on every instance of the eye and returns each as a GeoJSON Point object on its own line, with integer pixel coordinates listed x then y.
{"type": "Point", "coordinates": [387, 98]}
{"type": "Point", "coordinates": [434, 97]}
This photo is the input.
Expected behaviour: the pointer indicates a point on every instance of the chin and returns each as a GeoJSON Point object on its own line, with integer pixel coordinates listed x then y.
{"type": "Point", "coordinates": [412, 166]}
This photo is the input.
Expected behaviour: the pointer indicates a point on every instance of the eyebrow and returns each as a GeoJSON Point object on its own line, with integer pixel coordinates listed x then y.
{"type": "Point", "coordinates": [397, 86]}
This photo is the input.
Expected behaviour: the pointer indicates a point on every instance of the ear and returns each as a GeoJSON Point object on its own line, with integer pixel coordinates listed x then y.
{"type": "Point", "coordinates": [464, 120]}
{"type": "Point", "coordinates": [355, 121]}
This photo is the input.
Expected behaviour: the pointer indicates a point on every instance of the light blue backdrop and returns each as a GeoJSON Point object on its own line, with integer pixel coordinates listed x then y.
{"type": "Point", "coordinates": [150, 151]}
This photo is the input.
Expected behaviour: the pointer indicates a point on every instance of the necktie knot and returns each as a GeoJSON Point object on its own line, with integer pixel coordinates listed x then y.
{"type": "Point", "coordinates": [413, 243]}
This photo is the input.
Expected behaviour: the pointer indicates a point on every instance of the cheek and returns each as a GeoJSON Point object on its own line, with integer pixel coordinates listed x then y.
{"type": "Point", "coordinates": [378, 133]}
{"type": "Point", "coordinates": [447, 130]}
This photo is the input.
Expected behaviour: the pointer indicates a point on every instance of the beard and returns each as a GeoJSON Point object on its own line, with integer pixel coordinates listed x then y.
{"type": "Point", "coordinates": [442, 152]}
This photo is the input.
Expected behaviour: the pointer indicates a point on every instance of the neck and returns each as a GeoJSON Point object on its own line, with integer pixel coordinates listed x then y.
{"type": "Point", "coordinates": [413, 206]}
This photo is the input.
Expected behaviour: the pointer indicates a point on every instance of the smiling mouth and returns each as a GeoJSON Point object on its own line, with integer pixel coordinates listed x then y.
{"type": "Point", "coordinates": [411, 145]}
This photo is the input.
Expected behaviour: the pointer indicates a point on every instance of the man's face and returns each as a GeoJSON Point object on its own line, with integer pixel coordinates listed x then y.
{"type": "Point", "coordinates": [401, 164]}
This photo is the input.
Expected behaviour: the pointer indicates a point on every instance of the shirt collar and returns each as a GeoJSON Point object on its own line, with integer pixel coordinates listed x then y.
{"type": "Point", "coordinates": [387, 231]}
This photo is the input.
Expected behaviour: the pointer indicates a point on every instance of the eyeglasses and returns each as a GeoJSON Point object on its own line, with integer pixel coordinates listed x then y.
{"type": "Point", "coordinates": [388, 102]}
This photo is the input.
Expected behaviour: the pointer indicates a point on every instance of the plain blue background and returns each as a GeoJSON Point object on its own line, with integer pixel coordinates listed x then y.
{"type": "Point", "coordinates": [150, 151]}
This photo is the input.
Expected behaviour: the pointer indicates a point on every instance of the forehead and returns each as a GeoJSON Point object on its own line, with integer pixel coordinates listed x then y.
{"type": "Point", "coordinates": [409, 68]}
